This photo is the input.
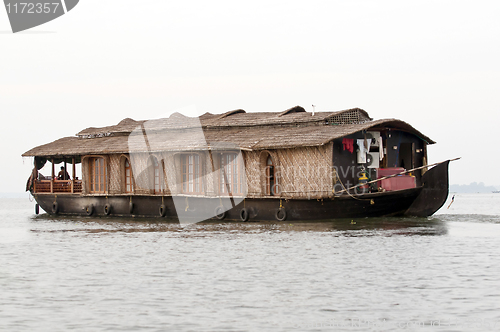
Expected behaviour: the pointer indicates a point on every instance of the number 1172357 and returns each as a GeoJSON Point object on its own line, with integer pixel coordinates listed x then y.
{"type": "Point", "coordinates": [32, 8]}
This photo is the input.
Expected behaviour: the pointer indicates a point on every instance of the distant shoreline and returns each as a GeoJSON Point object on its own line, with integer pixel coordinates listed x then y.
{"type": "Point", "coordinates": [472, 188]}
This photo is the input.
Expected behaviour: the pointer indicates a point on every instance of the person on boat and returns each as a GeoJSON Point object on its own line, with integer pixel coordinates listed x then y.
{"type": "Point", "coordinates": [63, 175]}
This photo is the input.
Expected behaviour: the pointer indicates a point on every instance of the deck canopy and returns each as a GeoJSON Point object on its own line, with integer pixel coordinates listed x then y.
{"type": "Point", "coordinates": [248, 131]}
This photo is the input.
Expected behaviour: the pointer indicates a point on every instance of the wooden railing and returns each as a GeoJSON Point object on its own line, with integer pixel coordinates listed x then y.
{"type": "Point", "coordinates": [58, 186]}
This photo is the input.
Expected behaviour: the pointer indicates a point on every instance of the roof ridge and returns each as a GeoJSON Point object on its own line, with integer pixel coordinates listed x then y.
{"type": "Point", "coordinates": [225, 115]}
{"type": "Point", "coordinates": [295, 109]}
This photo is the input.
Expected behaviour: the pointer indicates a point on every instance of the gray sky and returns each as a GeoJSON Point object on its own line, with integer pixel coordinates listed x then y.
{"type": "Point", "coordinates": [433, 64]}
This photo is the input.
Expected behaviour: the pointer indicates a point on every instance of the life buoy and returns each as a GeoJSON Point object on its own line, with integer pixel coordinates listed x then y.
{"type": "Point", "coordinates": [280, 214]}
{"type": "Point", "coordinates": [107, 209]}
{"type": "Point", "coordinates": [244, 214]}
{"type": "Point", "coordinates": [37, 209]}
{"type": "Point", "coordinates": [55, 207]}
{"type": "Point", "coordinates": [163, 210]}
{"type": "Point", "coordinates": [220, 213]}
{"type": "Point", "coordinates": [89, 210]}
{"type": "Point", "coordinates": [130, 207]}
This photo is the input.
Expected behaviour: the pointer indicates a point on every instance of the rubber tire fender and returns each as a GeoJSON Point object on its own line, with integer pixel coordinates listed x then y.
{"type": "Point", "coordinates": [130, 208]}
{"type": "Point", "coordinates": [55, 207]}
{"type": "Point", "coordinates": [162, 210]}
{"type": "Point", "coordinates": [244, 214]}
{"type": "Point", "coordinates": [220, 213]}
{"type": "Point", "coordinates": [107, 209]}
{"type": "Point", "coordinates": [37, 209]}
{"type": "Point", "coordinates": [283, 212]}
{"type": "Point", "coordinates": [89, 210]}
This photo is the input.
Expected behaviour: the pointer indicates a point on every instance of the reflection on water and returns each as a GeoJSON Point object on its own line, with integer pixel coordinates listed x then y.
{"type": "Point", "coordinates": [340, 227]}
{"type": "Point", "coordinates": [384, 274]}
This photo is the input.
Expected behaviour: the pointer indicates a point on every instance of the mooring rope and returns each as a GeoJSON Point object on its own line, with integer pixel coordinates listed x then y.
{"type": "Point", "coordinates": [346, 190]}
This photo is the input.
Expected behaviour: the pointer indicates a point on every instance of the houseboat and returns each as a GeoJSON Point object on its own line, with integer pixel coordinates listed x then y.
{"type": "Point", "coordinates": [289, 165]}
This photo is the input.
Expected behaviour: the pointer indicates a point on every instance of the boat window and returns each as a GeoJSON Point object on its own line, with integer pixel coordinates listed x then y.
{"type": "Point", "coordinates": [270, 180]}
{"type": "Point", "coordinates": [129, 185]}
{"type": "Point", "coordinates": [98, 176]}
{"type": "Point", "coordinates": [191, 173]}
{"type": "Point", "coordinates": [231, 175]}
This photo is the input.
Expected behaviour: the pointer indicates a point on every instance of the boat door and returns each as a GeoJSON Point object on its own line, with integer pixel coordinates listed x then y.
{"type": "Point", "coordinates": [406, 156]}
{"type": "Point", "coordinates": [269, 176]}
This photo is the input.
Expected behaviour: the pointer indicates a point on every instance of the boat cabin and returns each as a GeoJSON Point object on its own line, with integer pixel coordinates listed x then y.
{"type": "Point", "coordinates": [290, 154]}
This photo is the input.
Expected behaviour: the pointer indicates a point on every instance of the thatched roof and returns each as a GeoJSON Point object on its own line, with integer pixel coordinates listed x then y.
{"type": "Point", "coordinates": [235, 129]}
{"type": "Point", "coordinates": [123, 127]}
{"type": "Point", "coordinates": [237, 118]}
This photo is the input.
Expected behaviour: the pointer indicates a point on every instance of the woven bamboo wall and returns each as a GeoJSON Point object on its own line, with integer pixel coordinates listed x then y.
{"type": "Point", "coordinates": [211, 165]}
{"type": "Point", "coordinates": [142, 178]}
{"type": "Point", "coordinates": [304, 172]}
{"type": "Point", "coordinates": [169, 178]}
{"type": "Point", "coordinates": [253, 172]}
{"type": "Point", "coordinates": [85, 176]}
{"type": "Point", "coordinates": [115, 175]}
{"type": "Point", "coordinates": [301, 172]}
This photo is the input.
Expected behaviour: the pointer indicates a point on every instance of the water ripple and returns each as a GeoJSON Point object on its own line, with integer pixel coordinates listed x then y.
{"type": "Point", "coordinates": [385, 274]}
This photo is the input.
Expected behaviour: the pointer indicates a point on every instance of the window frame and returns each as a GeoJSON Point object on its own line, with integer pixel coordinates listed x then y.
{"type": "Point", "coordinates": [191, 180]}
{"type": "Point", "coordinates": [128, 178]}
{"type": "Point", "coordinates": [101, 175]}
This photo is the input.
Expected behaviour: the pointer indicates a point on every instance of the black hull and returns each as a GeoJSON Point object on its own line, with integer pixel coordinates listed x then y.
{"type": "Point", "coordinates": [259, 209]}
{"type": "Point", "coordinates": [434, 193]}
{"type": "Point", "coordinates": [421, 202]}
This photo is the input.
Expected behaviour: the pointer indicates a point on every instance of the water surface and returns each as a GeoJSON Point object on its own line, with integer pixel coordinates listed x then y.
{"type": "Point", "coordinates": [387, 274]}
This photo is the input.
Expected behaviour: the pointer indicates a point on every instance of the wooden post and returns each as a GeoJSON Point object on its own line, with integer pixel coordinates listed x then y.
{"type": "Point", "coordinates": [52, 179]}
{"type": "Point", "coordinates": [73, 178]}
{"type": "Point", "coordinates": [65, 172]}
